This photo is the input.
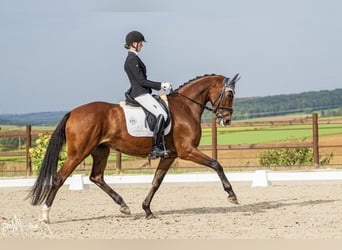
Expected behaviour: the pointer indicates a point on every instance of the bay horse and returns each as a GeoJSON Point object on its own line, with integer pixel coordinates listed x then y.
{"type": "Point", "coordinates": [95, 128]}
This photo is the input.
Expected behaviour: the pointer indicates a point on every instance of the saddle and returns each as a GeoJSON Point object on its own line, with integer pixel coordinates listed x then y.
{"type": "Point", "coordinates": [150, 120]}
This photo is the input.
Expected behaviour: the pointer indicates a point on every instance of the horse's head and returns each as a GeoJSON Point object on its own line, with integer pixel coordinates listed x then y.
{"type": "Point", "coordinates": [221, 97]}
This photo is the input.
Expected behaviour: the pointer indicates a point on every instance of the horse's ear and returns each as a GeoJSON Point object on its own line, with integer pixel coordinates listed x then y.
{"type": "Point", "coordinates": [228, 81]}
{"type": "Point", "coordinates": [235, 79]}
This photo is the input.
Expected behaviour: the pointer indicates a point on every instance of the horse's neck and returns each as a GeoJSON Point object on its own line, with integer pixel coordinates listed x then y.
{"type": "Point", "coordinates": [198, 91]}
{"type": "Point", "coordinates": [194, 97]}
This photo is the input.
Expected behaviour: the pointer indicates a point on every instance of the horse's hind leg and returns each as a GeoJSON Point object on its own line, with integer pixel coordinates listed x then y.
{"type": "Point", "coordinates": [100, 156]}
{"type": "Point", "coordinates": [69, 166]}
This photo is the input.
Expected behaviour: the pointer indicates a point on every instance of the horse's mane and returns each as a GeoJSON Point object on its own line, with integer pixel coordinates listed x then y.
{"type": "Point", "coordinates": [191, 80]}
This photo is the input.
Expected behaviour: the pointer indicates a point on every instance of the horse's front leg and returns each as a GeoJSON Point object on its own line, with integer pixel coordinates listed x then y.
{"type": "Point", "coordinates": [159, 175]}
{"type": "Point", "coordinates": [224, 180]}
{"type": "Point", "coordinates": [193, 154]}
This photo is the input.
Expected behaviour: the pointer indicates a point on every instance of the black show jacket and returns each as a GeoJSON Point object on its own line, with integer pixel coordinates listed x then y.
{"type": "Point", "coordinates": [136, 72]}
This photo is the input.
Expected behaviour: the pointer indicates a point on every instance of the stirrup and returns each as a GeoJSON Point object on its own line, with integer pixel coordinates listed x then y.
{"type": "Point", "coordinates": [157, 152]}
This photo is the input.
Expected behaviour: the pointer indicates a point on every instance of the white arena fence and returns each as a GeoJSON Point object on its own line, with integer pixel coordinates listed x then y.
{"type": "Point", "coordinates": [259, 178]}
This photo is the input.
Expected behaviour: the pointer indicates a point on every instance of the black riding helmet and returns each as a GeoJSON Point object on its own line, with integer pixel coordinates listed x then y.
{"type": "Point", "coordinates": [134, 36]}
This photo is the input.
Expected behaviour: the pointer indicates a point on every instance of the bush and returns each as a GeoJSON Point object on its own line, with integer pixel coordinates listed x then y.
{"type": "Point", "coordinates": [290, 157]}
{"type": "Point", "coordinates": [37, 153]}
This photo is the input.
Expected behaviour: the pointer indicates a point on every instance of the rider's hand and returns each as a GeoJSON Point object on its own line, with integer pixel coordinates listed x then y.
{"type": "Point", "coordinates": [166, 85]}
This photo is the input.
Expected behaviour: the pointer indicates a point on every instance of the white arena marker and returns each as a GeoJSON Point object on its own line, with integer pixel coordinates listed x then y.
{"type": "Point", "coordinates": [260, 179]}
{"type": "Point", "coordinates": [76, 182]}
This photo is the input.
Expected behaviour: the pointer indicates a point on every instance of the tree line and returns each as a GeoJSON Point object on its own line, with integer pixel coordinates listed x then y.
{"type": "Point", "coordinates": [327, 102]}
{"type": "Point", "coordinates": [307, 102]}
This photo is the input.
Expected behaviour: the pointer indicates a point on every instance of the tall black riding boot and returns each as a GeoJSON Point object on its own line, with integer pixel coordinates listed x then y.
{"type": "Point", "coordinates": [157, 134]}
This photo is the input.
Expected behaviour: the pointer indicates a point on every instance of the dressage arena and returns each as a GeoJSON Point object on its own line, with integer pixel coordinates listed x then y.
{"type": "Point", "coordinates": [284, 210]}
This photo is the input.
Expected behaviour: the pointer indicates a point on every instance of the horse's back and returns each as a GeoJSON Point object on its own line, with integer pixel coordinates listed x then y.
{"type": "Point", "coordinates": [92, 114]}
{"type": "Point", "coordinates": [94, 107]}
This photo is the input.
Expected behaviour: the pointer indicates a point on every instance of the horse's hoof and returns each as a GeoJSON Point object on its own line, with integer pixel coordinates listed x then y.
{"type": "Point", "coordinates": [44, 221]}
{"type": "Point", "coordinates": [125, 210]}
{"type": "Point", "coordinates": [150, 216]}
{"type": "Point", "coordinates": [233, 200]}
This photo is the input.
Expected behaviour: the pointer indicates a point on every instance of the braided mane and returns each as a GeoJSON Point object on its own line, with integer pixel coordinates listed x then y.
{"type": "Point", "coordinates": [191, 80]}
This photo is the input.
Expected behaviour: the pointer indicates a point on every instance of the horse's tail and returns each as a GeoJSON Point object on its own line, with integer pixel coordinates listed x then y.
{"type": "Point", "coordinates": [48, 170]}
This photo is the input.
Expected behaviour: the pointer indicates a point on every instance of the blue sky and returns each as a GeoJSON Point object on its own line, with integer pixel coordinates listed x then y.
{"type": "Point", "coordinates": [58, 54]}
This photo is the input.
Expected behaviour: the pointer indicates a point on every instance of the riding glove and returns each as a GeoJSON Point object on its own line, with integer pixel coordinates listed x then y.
{"type": "Point", "coordinates": [166, 85]}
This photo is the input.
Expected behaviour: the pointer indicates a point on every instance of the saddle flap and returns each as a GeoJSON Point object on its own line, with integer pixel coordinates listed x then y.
{"type": "Point", "coordinates": [140, 122]}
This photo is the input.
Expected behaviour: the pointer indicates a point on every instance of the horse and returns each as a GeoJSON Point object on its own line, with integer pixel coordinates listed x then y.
{"type": "Point", "coordinates": [95, 128]}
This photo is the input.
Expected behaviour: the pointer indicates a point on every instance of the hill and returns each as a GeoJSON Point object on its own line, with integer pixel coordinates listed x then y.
{"type": "Point", "coordinates": [41, 118]}
{"type": "Point", "coordinates": [277, 105]}
{"type": "Point", "coordinates": [307, 102]}
{"type": "Point", "coordinates": [244, 108]}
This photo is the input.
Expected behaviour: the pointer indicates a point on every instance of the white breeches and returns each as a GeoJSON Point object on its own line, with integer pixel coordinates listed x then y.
{"type": "Point", "coordinates": [151, 104]}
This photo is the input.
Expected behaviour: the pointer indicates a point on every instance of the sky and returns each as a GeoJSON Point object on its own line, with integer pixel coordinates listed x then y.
{"type": "Point", "coordinates": [56, 55]}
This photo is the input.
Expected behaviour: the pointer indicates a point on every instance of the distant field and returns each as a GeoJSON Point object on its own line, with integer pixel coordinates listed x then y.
{"type": "Point", "coordinates": [14, 127]}
{"type": "Point", "coordinates": [267, 134]}
{"type": "Point", "coordinates": [245, 134]}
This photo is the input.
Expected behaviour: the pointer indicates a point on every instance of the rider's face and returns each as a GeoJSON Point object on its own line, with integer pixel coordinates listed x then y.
{"type": "Point", "coordinates": [138, 46]}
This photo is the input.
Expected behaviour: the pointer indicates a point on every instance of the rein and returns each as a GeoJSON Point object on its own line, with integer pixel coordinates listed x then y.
{"type": "Point", "coordinates": [228, 85]}
{"type": "Point", "coordinates": [198, 103]}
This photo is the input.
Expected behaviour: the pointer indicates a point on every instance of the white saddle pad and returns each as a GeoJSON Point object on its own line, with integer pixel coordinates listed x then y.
{"type": "Point", "coordinates": [135, 122]}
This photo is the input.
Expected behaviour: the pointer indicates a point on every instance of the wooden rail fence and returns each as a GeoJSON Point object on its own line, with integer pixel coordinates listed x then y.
{"type": "Point", "coordinates": [214, 148]}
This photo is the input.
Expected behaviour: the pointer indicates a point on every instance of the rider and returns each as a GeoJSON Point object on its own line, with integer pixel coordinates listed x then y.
{"type": "Point", "coordinates": [141, 88]}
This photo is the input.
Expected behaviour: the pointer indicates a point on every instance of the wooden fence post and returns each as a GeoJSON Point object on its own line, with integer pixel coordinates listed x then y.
{"type": "Point", "coordinates": [213, 138]}
{"type": "Point", "coordinates": [118, 162]}
{"type": "Point", "coordinates": [315, 138]}
{"type": "Point", "coordinates": [28, 146]}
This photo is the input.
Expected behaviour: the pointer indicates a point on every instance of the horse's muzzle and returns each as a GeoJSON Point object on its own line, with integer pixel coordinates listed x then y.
{"type": "Point", "coordinates": [223, 119]}
{"type": "Point", "coordinates": [227, 122]}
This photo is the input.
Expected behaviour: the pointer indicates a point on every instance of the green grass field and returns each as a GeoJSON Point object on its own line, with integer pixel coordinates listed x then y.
{"type": "Point", "coordinates": [266, 134]}
{"type": "Point", "coordinates": [244, 134]}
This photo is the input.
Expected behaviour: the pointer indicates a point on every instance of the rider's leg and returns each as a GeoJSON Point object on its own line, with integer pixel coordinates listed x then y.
{"type": "Point", "coordinates": [149, 103]}
{"type": "Point", "coordinates": [152, 105]}
{"type": "Point", "coordinates": [157, 134]}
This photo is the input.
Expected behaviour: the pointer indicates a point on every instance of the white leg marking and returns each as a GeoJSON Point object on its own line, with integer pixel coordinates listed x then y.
{"type": "Point", "coordinates": [45, 214]}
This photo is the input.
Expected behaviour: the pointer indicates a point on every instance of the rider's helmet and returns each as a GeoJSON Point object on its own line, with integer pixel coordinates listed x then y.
{"type": "Point", "coordinates": [134, 36]}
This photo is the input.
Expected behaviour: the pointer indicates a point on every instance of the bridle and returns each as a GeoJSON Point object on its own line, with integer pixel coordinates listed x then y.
{"type": "Point", "coordinates": [228, 85]}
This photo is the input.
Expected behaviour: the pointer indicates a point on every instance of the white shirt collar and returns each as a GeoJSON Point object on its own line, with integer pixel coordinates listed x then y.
{"type": "Point", "coordinates": [134, 52]}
